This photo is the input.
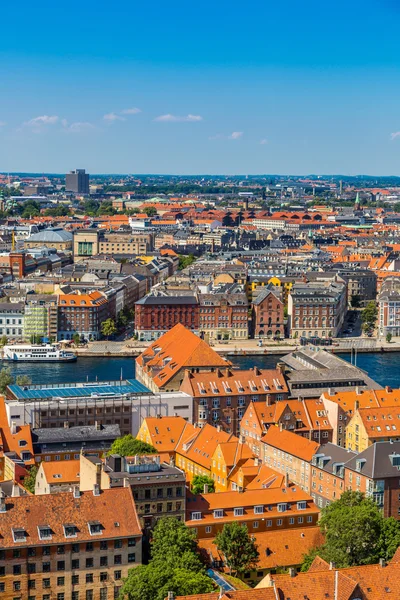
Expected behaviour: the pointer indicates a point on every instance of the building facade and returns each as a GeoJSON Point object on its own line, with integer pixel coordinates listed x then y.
{"type": "Point", "coordinates": [156, 314]}
{"type": "Point", "coordinates": [77, 182]}
{"type": "Point", "coordinates": [82, 314]}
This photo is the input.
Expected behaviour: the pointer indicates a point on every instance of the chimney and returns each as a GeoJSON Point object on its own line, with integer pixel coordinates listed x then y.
{"type": "Point", "coordinates": [292, 572]}
{"type": "Point", "coordinates": [287, 479]}
{"type": "Point", "coordinates": [281, 367]}
{"type": "Point", "coordinates": [98, 426]}
{"type": "Point", "coordinates": [205, 489]}
{"type": "Point", "coordinates": [331, 392]}
{"type": "Point", "coordinates": [358, 391]}
{"type": "Point", "coordinates": [2, 502]}
{"type": "Point", "coordinates": [158, 416]}
{"type": "Point", "coordinates": [218, 428]}
{"type": "Point", "coordinates": [388, 389]}
{"type": "Point", "coordinates": [280, 426]}
{"type": "Point", "coordinates": [126, 482]}
{"type": "Point", "coordinates": [332, 566]}
{"type": "Point", "coordinates": [171, 596]}
{"type": "Point", "coordinates": [172, 462]}
{"type": "Point", "coordinates": [76, 491]}
{"type": "Point", "coordinates": [13, 428]}
{"type": "Point", "coordinates": [257, 462]}
{"type": "Point", "coordinates": [356, 405]}
{"type": "Point", "coordinates": [15, 491]}
{"type": "Point", "coordinates": [257, 371]}
{"type": "Point", "coordinates": [227, 372]}
{"type": "Point", "coordinates": [382, 562]}
{"type": "Point", "coordinates": [96, 489]}
{"type": "Point", "coordinates": [66, 424]}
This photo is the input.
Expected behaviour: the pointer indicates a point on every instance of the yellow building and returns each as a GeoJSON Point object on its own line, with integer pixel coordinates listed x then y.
{"type": "Point", "coordinates": [284, 283]}
{"type": "Point", "coordinates": [370, 425]}
{"type": "Point", "coordinates": [226, 460]}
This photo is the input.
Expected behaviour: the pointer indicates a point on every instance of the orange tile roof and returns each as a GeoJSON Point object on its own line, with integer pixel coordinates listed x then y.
{"type": "Point", "coordinates": [365, 398]}
{"type": "Point", "coordinates": [176, 349]}
{"type": "Point", "coordinates": [262, 594]}
{"type": "Point", "coordinates": [291, 443]}
{"type": "Point", "coordinates": [78, 299]}
{"type": "Point", "coordinates": [269, 498]}
{"type": "Point", "coordinates": [232, 382]}
{"type": "Point", "coordinates": [266, 478]}
{"type": "Point", "coordinates": [277, 549]}
{"type": "Point", "coordinates": [165, 432]}
{"type": "Point", "coordinates": [201, 445]}
{"type": "Point", "coordinates": [18, 442]}
{"type": "Point", "coordinates": [61, 471]}
{"type": "Point", "coordinates": [233, 452]}
{"type": "Point", "coordinates": [114, 509]}
{"type": "Point", "coordinates": [380, 422]}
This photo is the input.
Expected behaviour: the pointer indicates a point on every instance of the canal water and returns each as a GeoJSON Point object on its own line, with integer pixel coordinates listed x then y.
{"type": "Point", "coordinates": [383, 368]}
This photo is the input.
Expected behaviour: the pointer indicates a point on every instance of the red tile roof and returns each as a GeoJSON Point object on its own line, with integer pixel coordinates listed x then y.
{"type": "Point", "coordinates": [291, 443]}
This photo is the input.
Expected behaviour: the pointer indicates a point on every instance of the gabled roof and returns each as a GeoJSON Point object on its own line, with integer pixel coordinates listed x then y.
{"type": "Point", "coordinates": [291, 443]}
{"type": "Point", "coordinates": [165, 432]}
{"type": "Point", "coordinates": [176, 349]}
{"type": "Point", "coordinates": [61, 471]}
{"type": "Point", "coordinates": [235, 382]}
{"type": "Point", "coordinates": [200, 446]}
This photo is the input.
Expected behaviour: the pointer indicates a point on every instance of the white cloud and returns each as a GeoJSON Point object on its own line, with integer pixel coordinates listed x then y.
{"type": "Point", "coordinates": [77, 127]}
{"type": "Point", "coordinates": [236, 135]}
{"type": "Point", "coordinates": [263, 142]}
{"type": "Point", "coordinates": [130, 111]}
{"type": "Point", "coordinates": [175, 118]}
{"type": "Point", "coordinates": [395, 135]}
{"type": "Point", "coordinates": [111, 117]}
{"type": "Point", "coordinates": [42, 120]}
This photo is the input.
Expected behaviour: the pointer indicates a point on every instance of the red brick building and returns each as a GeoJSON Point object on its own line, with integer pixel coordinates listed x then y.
{"type": "Point", "coordinates": [156, 314]}
{"type": "Point", "coordinates": [221, 397]}
{"type": "Point", "coordinates": [267, 314]}
{"type": "Point", "coordinates": [224, 316]}
{"type": "Point", "coordinates": [81, 313]}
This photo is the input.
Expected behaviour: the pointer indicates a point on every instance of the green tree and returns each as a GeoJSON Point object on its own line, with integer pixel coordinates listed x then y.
{"type": "Point", "coordinates": [185, 261]}
{"type": "Point", "coordinates": [389, 338]}
{"type": "Point", "coordinates": [30, 479]}
{"type": "Point", "coordinates": [36, 338]}
{"type": "Point", "coordinates": [76, 338]}
{"type": "Point", "coordinates": [58, 211]}
{"type": "Point", "coordinates": [198, 483]}
{"type": "Point", "coordinates": [6, 379]}
{"type": "Point", "coordinates": [23, 380]}
{"type": "Point", "coordinates": [130, 446]}
{"type": "Point", "coordinates": [174, 566]}
{"type": "Point", "coordinates": [150, 211]}
{"type": "Point", "coordinates": [108, 328]}
{"type": "Point", "coordinates": [369, 316]}
{"type": "Point", "coordinates": [3, 340]}
{"type": "Point", "coordinates": [238, 548]}
{"type": "Point", "coordinates": [356, 532]}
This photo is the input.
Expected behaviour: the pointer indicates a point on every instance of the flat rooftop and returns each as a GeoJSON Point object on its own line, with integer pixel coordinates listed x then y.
{"type": "Point", "coordinates": [94, 389]}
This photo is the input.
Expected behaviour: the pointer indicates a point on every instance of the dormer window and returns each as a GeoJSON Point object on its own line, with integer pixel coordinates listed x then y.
{"type": "Point", "coordinates": [302, 505]}
{"type": "Point", "coordinates": [22, 443]}
{"type": "Point", "coordinates": [238, 512]}
{"type": "Point", "coordinates": [282, 506]}
{"type": "Point", "coordinates": [95, 528]}
{"type": "Point", "coordinates": [19, 535]}
{"type": "Point", "coordinates": [218, 513]}
{"type": "Point", "coordinates": [258, 510]}
{"type": "Point", "coordinates": [70, 531]}
{"type": "Point", "coordinates": [45, 532]}
{"type": "Point", "coordinates": [196, 516]}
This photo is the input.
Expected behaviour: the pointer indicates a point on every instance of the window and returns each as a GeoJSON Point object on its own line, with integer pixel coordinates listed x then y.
{"type": "Point", "coordinates": [89, 594]}
{"type": "Point", "coordinates": [131, 558]}
{"type": "Point", "coordinates": [75, 564]}
{"type": "Point", "coordinates": [45, 533]}
{"type": "Point", "coordinates": [46, 583]}
{"type": "Point", "coordinates": [282, 507]}
{"type": "Point", "coordinates": [118, 559]}
{"type": "Point", "coordinates": [103, 594]}
{"type": "Point", "coordinates": [17, 570]}
{"type": "Point", "coordinates": [89, 563]}
{"type": "Point", "coordinates": [255, 524]}
{"type": "Point", "coordinates": [60, 549]}
{"type": "Point", "coordinates": [117, 575]}
{"type": "Point", "coordinates": [31, 584]}
{"type": "Point", "coordinates": [89, 577]}
{"type": "Point", "coordinates": [117, 591]}
{"type": "Point", "coordinates": [258, 510]}
{"type": "Point", "coordinates": [31, 567]}
{"type": "Point", "coordinates": [95, 528]}
{"type": "Point", "coordinates": [117, 543]}
{"type": "Point", "coordinates": [309, 519]}
{"type": "Point", "coordinates": [61, 596]}
{"type": "Point", "coordinates": [75, 548]}
{"type": "Point", "coordinates": [2, 587]}
{"type": "Point", "coordinates": [16, 586]}
{"type": "Point", "coordinates": [302, 505]}
{"type": "Point", "coordinates": [269, 523]}
{"type": "Point", "coordinates": [218, 513]}
{"type": "Point", "coordinates": [70, 531]}
{"type": "Point", "coordinates": [46, 567]}
{"type": "Point", "coordinates": [75, 595]}
{"type": "Point", "coordinates": [238, 512]}
{"type": "Point", "coordinates": [291, 521]}
{"type": "Point", "coordinates": [196, 516]}
{"type": "Point", "coordinates": [75, 579]}
{"type": "Point", "coordinates": [131, 542]}
{"type": "Point", "coordinates": [103, 545]}
{"type": "Point", "coordinates": [103, 576]}
{"type": "Point", "coordinates": [279, 522]}
{"type": "Point", "coordinates": [60, 565]}
{"type": "Point", "coordinates": [60, 580]}
{"type": "Point", "coordinates": [103, 561]}
{"type": "Point", "coordinates": [208, 529]}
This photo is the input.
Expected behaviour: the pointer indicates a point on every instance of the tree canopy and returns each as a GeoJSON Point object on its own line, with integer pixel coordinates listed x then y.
{"type": "Point", "coordinates": [108, 327]}
{"type": "Point", "coordinates": [369, 316]}
{"type": "Point", "coordinates": [198, 483]}
{"type": "Point", "coordinates": [185, 261]}
{"type": "Point", "coordinates": [30, 479]}
{"type": "Point", "coordinates": [174, 566]}
{"type": "Point", "coordinates": [356, 533]}
{"type": "Point", "coordinates": [6, 379]}
{"type": "Point", "coordinates": [238, 548]}
{"type": "Point", "coordinates": [131, 446]}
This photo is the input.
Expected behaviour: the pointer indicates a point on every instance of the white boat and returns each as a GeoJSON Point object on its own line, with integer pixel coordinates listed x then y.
{"type": "Point", "coordinates": [37, 353]}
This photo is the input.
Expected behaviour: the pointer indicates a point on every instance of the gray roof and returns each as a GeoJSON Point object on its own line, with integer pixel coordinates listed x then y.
{"type": "Point", "coordinates": [52, 234]}
{"type": "Point", "coordinates": [377, 463]}
{"type": "Point", "coordinates": [86, 433]}
{"type": "Point", "coordinates": [160, 299]}
{"type": "Point", "coordinates": [332, 455]}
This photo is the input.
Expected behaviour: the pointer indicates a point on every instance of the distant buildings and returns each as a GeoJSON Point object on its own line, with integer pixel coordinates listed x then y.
{"type": "Point", "coordinates": [389, 307]}
{"type": "Point", "coordinates": [77, 182]}
{"type": "Point", "coordinates": [157, 313]}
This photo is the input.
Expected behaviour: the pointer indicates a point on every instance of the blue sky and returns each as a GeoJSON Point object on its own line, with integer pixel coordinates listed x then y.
{"type": "Point", "coordinates": [212, 87]}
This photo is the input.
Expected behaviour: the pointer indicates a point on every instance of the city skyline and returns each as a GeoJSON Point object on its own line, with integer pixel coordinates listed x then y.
{"type": "Point", "coordinates": [228, 89]}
